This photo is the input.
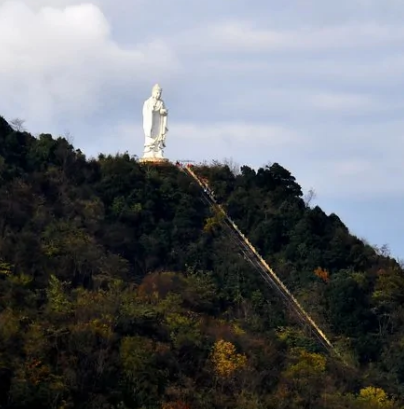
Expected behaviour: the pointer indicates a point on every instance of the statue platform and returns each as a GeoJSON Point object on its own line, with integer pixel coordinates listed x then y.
{"type": "Point", "coordinates": [154, 161]}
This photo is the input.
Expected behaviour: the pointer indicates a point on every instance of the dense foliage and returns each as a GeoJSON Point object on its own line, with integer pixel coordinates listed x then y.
{"type": "Point", "coordinates": [120, 288]}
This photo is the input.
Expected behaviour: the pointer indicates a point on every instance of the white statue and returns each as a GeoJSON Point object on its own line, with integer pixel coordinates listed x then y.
{"type": "Point", "coordinates": [154, 125]}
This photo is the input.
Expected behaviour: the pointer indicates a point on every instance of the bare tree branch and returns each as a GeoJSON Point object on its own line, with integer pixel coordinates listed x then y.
{"type": "Point", "coordinates": [309, 196]}
{"type": "Point", "coordinates": [18, 124]}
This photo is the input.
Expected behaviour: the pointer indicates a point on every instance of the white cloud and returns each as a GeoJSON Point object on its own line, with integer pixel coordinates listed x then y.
{"type": "Point", "coordinates": [356, 167]}
{"type": "Point", "coordinates": [350, 167]}
{"type": "Point", "coordinates": [371, 70]}
{"type": "Point", "coordinates": [355, 178]}
{"type": "Point", "coordinates": [343, 102]}
{"type": "Point", "coordinates": [304, 102]}
{"type": "Point", "coordinates": [238, 131]}
{"type": "Point", "coordinates": [39, 4]}
{"type": "Point", "coordinates": [245, 36]}
{"type": "Point", "coordinates": [64, 61]}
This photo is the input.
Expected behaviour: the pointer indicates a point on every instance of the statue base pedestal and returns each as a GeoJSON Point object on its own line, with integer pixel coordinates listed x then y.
{"type": "Point", "coordinates": [154, 161]}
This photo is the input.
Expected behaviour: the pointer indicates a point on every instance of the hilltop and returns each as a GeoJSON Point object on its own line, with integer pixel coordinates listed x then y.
{"type": "Point", "coordinates": [121, 288]}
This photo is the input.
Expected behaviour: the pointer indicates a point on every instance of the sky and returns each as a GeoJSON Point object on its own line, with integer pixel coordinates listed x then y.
{"type": "Point", "coordinates": [314, 85]}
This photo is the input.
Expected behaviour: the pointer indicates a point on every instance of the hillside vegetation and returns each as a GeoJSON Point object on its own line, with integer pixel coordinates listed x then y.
{"type": "Point", "coordinates": [120, 288]}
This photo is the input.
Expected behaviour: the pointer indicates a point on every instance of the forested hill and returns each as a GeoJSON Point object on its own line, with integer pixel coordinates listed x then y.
{"type": "Point", "coordinates": [120, 288]}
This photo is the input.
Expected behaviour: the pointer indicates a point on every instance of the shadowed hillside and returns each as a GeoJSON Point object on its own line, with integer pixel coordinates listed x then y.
{"type": "Point", "coordinates": [121, 288]}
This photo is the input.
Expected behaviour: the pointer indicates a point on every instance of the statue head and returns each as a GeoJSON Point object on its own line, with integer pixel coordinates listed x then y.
{"type": "Point", "coordinates": [156, 91]}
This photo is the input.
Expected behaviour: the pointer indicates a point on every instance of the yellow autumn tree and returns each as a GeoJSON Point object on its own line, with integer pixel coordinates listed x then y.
{"type": "Point", "coordinates": [302, 382]}
{"type": "Point", "coordinates": [211, 223]}
{"type": "Point", "coordinates": [308, 366]}
{"type": "Point", "coordinates": [373, 397]}
{"type": "Point", "coordinates": [226, 360]}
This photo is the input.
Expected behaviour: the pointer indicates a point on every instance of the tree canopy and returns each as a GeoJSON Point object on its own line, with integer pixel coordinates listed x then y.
{"type": "Point", "coordinates": [120, 288]}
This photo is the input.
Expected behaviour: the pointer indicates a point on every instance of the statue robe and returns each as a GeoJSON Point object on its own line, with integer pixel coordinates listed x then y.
{"type": "Point", "coordinates": [154, 127]}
